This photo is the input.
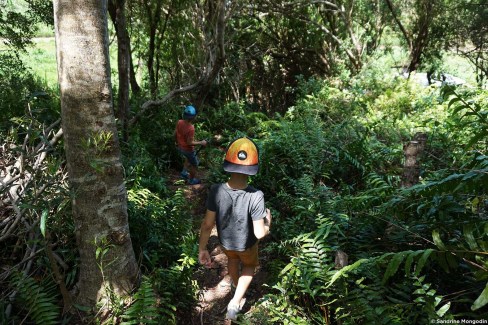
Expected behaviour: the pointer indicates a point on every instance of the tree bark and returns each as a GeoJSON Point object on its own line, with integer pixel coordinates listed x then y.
{"type": "Point", "coordinates": [134, 86]}
{"type": "Point", "coordinates": [92, 152]}
{"type": "Point", "coordinates": [420, 42]}
{"type": "Point", "coordinates": [153, 25]}
{"type": "Point", "coordinates": [216, 54]}
{"type": "Point", "coordinates": [117, 14]}
{"type": "Point", "coordinates": [417, 42]}
{"type": "Point", "coordinates": [411, 168]}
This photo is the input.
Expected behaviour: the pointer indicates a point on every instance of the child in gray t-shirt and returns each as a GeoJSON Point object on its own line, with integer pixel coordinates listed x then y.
{"type": "Point", "coordinates": [239, 212]}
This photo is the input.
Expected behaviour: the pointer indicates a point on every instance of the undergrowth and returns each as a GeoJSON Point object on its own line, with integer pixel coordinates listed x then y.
{"type": "Point", "coordinates": [331, 170]}
{"type": "Point", "coordinates": [414, 254]}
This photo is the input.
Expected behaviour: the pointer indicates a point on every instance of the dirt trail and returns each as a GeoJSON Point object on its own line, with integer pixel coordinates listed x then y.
{"type": "Point", "coordinates": [214, 283]}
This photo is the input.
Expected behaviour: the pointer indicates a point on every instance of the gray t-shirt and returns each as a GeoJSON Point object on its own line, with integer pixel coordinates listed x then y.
{"type": "Point", "coordinates": [235, 211]}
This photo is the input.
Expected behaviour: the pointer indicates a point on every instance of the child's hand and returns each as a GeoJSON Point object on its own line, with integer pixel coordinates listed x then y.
{"type": "Point", "coordinates": [204, 258]}
{"type": "Point", "coordinates": [267, 219]}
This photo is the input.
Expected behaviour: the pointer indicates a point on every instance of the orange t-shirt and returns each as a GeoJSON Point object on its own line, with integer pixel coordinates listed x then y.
{"type": "Point", "coordinates": [184, 131]}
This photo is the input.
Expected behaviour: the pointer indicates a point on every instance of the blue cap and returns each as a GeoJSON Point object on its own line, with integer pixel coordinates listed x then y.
{"type": "Point", "coordinates": [189, 112]}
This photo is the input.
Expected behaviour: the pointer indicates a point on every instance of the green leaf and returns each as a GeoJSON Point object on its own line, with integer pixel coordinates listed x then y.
{"type": "Point", "coordinates": [437, 240]}
{"type": "Point", "coordinates": [451, 261]}
{"type": "Point", "coordinates": [481, 300]}
{"type": "Point", "coordinates": [286, 269]}
{"type": "Point", "coordinates": [477, 137]}
{"type": "Point", "coordinates": [42, 224]}
{"type": "Point", "coordinates": [422, 260]}
{"type": "Point", "coordinates": [443, 309]}
{"type": "Point", "coordinates": [393, 266]}
{"type": "Point", "coordinates": [346, 269]}
{"type": "Point", "coordinates": [468, 235]}
{"type": "Point", "coordinates": [442, 260]}
{"type": "Point", "coordinates": [409, 260]}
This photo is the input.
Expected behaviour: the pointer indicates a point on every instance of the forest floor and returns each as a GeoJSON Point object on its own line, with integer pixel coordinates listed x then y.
{"type": "Point", "coordinates": [214, 282]}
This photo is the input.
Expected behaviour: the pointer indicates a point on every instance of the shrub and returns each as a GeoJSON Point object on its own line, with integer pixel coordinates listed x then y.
{"type": "Point", "coordinates": [404, 245]}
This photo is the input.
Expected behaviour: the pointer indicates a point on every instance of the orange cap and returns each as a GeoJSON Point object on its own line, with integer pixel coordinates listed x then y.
{"type": "Point", "coordinates": [242, 157]}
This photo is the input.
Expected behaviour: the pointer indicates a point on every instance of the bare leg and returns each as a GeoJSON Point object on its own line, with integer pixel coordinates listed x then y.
{"type": "Point", "coordinates": [244, 282]}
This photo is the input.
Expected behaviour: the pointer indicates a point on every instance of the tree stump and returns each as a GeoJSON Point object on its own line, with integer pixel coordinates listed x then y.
{"type": "Point", "coordinates": [411, 168]}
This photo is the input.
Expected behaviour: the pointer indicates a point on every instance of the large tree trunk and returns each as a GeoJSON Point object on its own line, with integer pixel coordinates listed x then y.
{"type": "Point", "coordinates": [421, 40]}
{"type": "Point", "coordinates": [107, 261]}
{"type": "Point", "coordinates": [134, 86]}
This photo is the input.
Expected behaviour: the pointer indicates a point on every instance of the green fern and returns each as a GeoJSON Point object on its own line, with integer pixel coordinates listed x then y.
{"type": "Point", "coordinates": [144, 309]}
{"type": "Point", "coordinates": [473, 113]}
{"type": "Point", "coordinates": [419, 257]}
{"type": "Point", "coordinates": [42, 304]}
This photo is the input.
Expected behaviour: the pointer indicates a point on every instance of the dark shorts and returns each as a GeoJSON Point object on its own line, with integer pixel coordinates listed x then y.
{"type": "Point", "coordinates": [249, 257]}
{"type": "Point", "coordinates": [191, 156]}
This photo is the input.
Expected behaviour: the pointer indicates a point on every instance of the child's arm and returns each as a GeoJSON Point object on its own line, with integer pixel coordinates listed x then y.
{"type": "Point", "coordinates": [261, 226]}
{"type": "Point", "coordinates": [267, 219]}
{"type": "Point", "coordinates": [191, 142]}
{"type": "Point", "coordinates": [205, 230]}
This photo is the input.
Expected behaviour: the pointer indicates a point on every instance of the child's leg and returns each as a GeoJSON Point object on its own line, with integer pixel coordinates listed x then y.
{"type": "Point", "coordinates": [190, 165]}
{"type": "Point", "coordinates": [233, 270]}
{"type": "Point", "coordinates": [250, 261]}
{"type": "Point", "coordinates": [193, 170]}
{"type": "Point", "coordinates": [193, 163]}
{"type": "Point", "coordinates": [243, 284]}
{"type": "Point", "coordinates": [184, 173]}
{"type": "Point", "coordinates": [186, 164]}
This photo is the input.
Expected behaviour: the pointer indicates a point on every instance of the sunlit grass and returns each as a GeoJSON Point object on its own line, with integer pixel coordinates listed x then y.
{"type": "Point", "coordinates": [41, 59]}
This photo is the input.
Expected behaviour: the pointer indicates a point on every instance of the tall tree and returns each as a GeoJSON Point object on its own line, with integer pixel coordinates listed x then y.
{"type": "Point", "coordinates": [422, 24]}
{"type": "Point", "coordinates": [116, 9]}
{"type": "Point", "coordinates": [107, 261]}
{"type": "Point", "coordinates": [469, 20]}
{"type": "Point", "coordinates": [196, 46]}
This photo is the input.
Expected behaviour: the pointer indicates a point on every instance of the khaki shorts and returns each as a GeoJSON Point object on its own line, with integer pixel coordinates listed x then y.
{"type": "Point", "coordinates": [249, 257]}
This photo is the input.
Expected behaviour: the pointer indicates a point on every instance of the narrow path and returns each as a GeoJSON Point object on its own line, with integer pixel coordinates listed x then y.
{"type": "Point", "coordinates": [215, 290]}
{"type": "Point", "coordinates": [214, 283]}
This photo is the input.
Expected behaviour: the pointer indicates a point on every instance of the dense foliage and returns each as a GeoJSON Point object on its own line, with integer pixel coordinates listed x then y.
{"type": "Point", "coordinates": [314, 86]}
{"type": "Point", "coordinates": [404, 245]}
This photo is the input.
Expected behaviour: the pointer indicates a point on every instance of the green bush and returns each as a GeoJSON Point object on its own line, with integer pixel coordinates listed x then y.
{"type": "Point", "coordinates": [157, 225]}
{"type": "Point", "coordinates": [404, 245]}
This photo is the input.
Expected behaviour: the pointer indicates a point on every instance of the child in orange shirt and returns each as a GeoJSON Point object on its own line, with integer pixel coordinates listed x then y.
{"type": "Point", "coordinates": [184, 136]}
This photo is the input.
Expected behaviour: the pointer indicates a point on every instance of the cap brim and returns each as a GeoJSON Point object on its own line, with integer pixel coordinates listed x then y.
{"type": "Point", "coordinates": [241, 169]}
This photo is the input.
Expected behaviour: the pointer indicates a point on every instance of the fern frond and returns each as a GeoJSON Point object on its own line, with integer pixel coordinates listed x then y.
{"type": "Point", "coordinates": [144, 309]}
{"type": "Point", "coordinates": [42, 305]}
{"type": "Point", "coordinates": [420, 257]}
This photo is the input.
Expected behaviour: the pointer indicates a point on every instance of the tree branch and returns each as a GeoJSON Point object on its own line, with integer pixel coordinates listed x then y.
{"type": "Point", "coordinates": [203, 84]}
{"type": "Point", "coordinates": [400, 25]}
